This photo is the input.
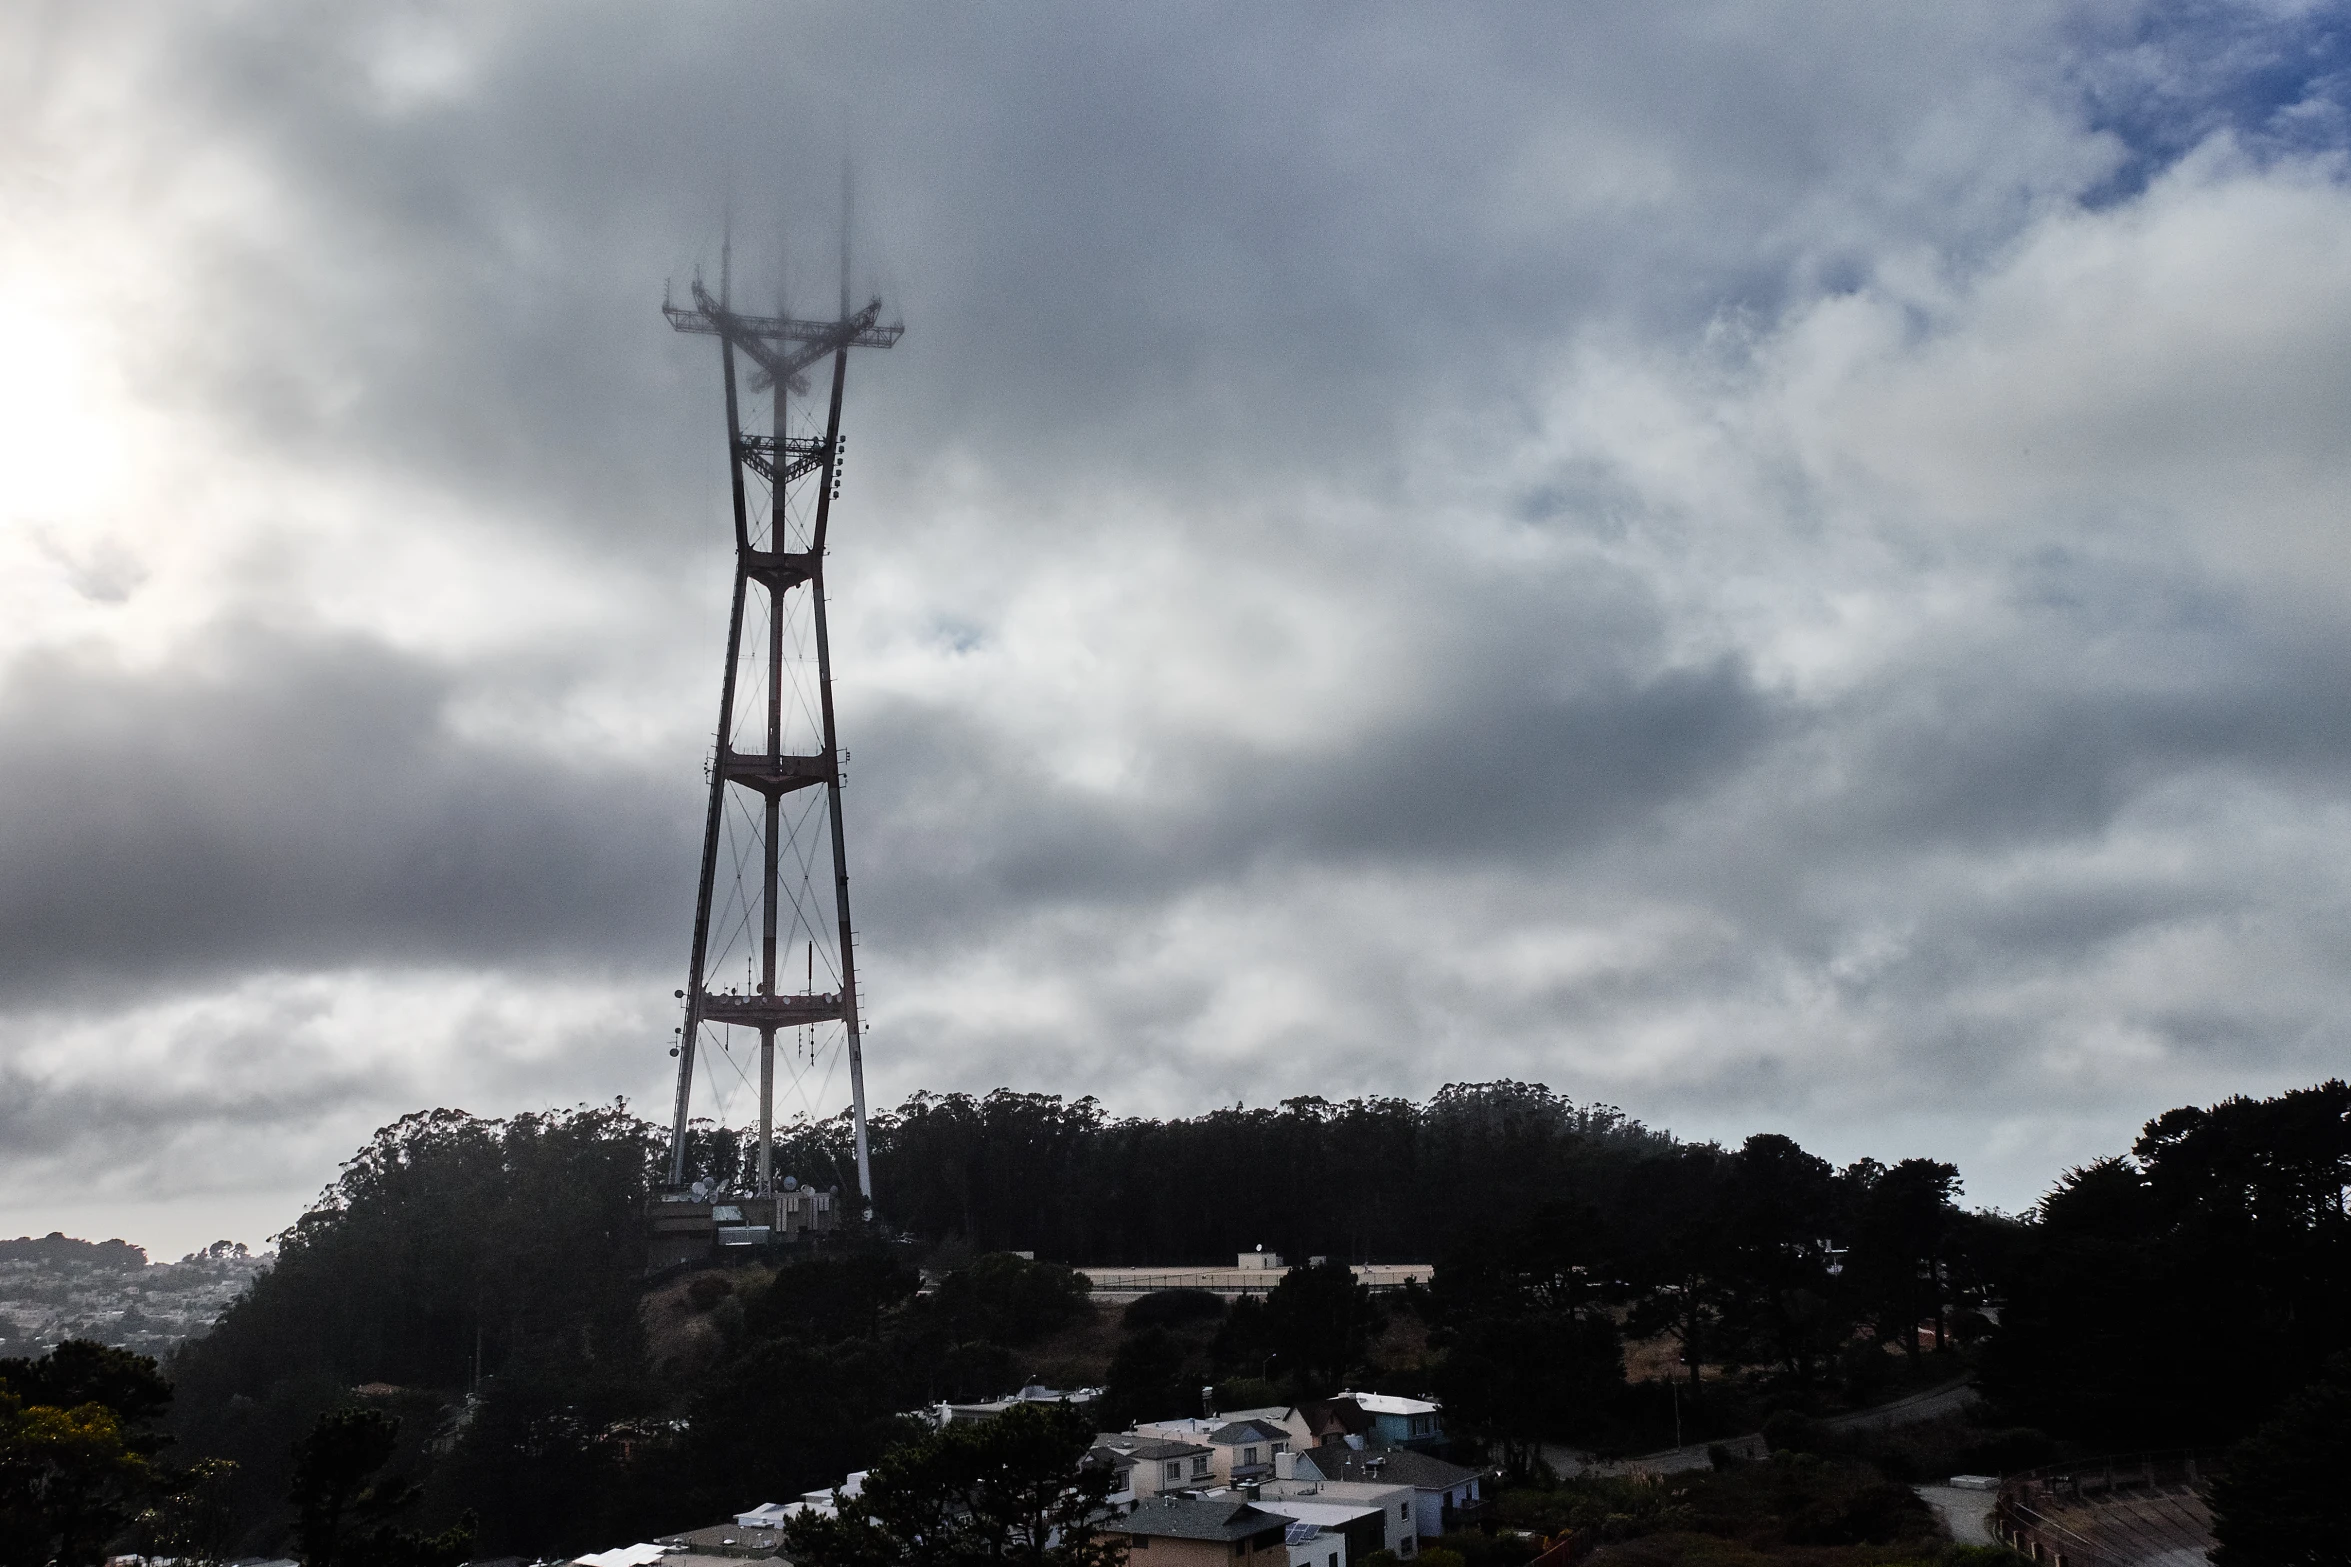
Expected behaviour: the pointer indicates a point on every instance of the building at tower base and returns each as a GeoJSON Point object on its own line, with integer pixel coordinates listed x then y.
{"type": "Point", "coordinates": [689, 1231]}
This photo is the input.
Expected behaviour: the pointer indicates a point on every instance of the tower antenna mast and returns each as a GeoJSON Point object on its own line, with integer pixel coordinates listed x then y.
{"type": "Point", "coordinates": [784, 488]}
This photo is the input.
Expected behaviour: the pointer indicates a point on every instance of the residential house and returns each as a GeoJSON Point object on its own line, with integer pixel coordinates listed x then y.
{"type": "Point", "coordinates": [1371, 1517]}
{"type": "Point", "coordinates": [1241, 1450]}
{"type": "Point", "coordinates": [1315, 1422]}
{"type": "Point", "coordinates": [1202, 1531]}
{"type": "Point", "coordinates": [1446, 1496]}
{"type": "Point", "coordinates": [1143, 1466]}
{"type": "Point", "coordinates": [1400, 1422]}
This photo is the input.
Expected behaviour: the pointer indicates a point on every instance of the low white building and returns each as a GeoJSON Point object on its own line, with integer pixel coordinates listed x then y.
{"type": "Point", "coordinates": [623, 1556]}
{"type": "Point", "coordinates": [1371, 1517]}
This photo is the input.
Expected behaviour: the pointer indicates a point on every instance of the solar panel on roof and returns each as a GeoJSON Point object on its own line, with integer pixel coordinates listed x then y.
{"type": "Point", "coordinates": [1301, 1533]}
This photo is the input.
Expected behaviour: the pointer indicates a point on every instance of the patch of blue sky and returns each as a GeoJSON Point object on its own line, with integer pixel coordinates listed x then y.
{"type": "Point", "coordinates": [2276, 77]}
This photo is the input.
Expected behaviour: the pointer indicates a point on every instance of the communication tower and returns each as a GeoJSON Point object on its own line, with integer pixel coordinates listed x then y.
{"type": "Point", "coordinates": [773, 835]}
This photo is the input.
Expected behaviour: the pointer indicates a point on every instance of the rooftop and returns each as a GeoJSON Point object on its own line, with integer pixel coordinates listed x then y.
{"type": "Point", "coordinates": [1235, 1432]}
{"type": "Point", "coordinates": [1222, 1518]}
{"type": "Point", "coordinates": [1368, 1493]}
{"type": "Point", "coordinates": [1389, 1465]}
{"type": "Point", "coordinates": [1271, 1414]}
{"type": "Point", "coordinates": [1390, 1404]}
{"type": "Point", "coordinates": [1325, 1416]}
{"type": "Point", "coordinates": [721, 1539]}
{"type": "Point", "coordinates": [1146, 1449]}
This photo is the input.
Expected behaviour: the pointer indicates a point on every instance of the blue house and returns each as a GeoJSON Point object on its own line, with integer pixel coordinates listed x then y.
{"type": "Point", "coordinates": [1400, 1422]}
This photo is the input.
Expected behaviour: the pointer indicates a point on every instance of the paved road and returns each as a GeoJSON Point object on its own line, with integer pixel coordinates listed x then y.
{"type": "Point", "coordinates": [1932, 1404]}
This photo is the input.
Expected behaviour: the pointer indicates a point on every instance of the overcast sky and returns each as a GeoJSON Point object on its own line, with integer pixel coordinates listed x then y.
{"type": "Point", "coordinates": [1778, 566]}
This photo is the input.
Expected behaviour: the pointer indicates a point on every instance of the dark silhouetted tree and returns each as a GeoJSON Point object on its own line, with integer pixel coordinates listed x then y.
{"type": "Point", "coordinates": [1013, 1489]}
{"type": "Point", "coordinates": [2181, 1294]}
{"type": "Point", "coordinates": [2283, 1501]}
{"type": "Point", "coordinates": [346, 1502]}
{"type": "Point", "coordinates": [1901, 1254]}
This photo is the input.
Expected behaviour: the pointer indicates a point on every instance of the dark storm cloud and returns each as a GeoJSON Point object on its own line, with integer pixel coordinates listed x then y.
{"type": "Point", "coordinates": [1527, 772]}
{"type": "Point", "coordinates": [276, 798]}
{"type": "Point", "coordinates": [1997, 748]}
{"type": "Point", "coordinates": [42, 1120]}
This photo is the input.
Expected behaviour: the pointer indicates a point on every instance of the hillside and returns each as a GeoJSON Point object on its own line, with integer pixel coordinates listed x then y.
{"type": "Point", "coordinates": [54, 1288]}
{"type": "Point", "coordinates": [484, 1281]}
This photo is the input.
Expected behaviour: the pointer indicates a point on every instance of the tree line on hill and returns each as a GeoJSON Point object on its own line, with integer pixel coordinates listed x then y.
{"type": "Point", "coordinates": [469, 1301]}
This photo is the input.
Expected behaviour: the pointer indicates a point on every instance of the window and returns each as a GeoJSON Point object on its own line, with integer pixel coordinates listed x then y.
{"type": "Point", "coordinates": [1172, 1470]}
{"type": "Point", "coordinates": [1281, 1447]}
{"type": "Point", "coordinates": [1403, 1509]}
{"type": "Point", "coordinates": [1248, 1455]}
{"type": "Point", "coordinates": [1136, 1542]}
{"type": "Point", "coordinates": [1200, 1466]}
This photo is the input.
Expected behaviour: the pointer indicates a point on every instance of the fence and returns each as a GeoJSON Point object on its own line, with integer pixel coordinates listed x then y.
{"type": "Point", "coordinates": [2108, 1512]}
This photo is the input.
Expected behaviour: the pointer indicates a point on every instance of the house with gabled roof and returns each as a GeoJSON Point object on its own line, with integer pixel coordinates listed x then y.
{"type": "Point", "coordinates": [1226, 1530]}
{"type": "Point", "coordinates": [1143, 1465]}
{"type": "Point", "coordinates": [1241, 1449]}
{"type": "Point", "coordinates": [1316, 1421]}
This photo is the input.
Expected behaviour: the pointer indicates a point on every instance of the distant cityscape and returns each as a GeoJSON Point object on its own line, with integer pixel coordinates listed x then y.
{"type": "Point", "coordinates": [53, 1287]}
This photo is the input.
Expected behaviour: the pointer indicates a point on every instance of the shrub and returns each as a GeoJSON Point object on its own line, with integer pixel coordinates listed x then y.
{"type": "Point", "coordinates": [1173, 1308]}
